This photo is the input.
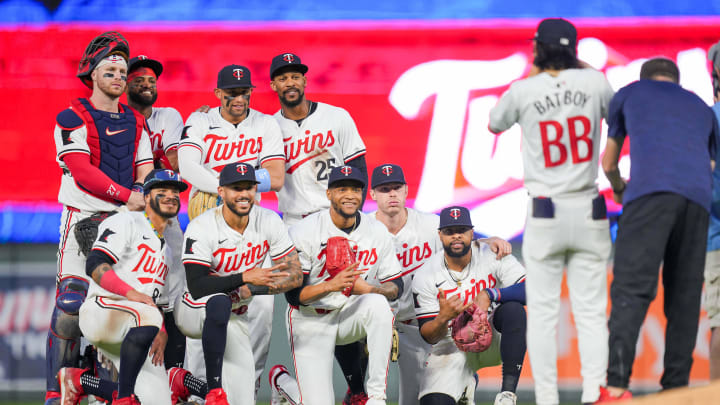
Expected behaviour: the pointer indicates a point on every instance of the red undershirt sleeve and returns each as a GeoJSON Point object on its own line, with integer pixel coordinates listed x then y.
{"type": "Point", "coordinates": [93, 179]}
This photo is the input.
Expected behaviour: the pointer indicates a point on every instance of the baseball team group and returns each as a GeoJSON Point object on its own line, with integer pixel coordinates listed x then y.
{"type": "Point", "coordinates": [147, 313]}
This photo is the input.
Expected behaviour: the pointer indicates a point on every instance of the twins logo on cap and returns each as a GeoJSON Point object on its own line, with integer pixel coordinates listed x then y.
{"type": "Point", "coordinates": [346, 170]}
{"type": "Point", "coordinates": [289, 58]}
{"type": "Point", "coordinates": [242, 169]}
{"type": "Point", "coordinates": [238, 73]}
{"type": "Point", "coordinates": [387, 170]}
{"type": "Point", "coordinates": [455, 213]}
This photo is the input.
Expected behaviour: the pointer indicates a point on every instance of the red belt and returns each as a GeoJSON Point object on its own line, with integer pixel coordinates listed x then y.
{"type": "Point", "coordinates": [319, 311]}
{"type": "Point", "coordinates": [407, 321]}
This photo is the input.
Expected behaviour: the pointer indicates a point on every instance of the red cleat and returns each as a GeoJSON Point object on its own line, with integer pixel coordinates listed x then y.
{"type": "Point", "coordinates": [216, 397]}
{"type": "Point", "coordinates": [355, 399]}
{"type": "Point", "coordinates": [71, 390]}
{"type": "Point", "coordinates": [131, 400]}
{"type": "Point", "coordinates": [176, 376]}
{"type": "Point", "coordinates": [606, 396]}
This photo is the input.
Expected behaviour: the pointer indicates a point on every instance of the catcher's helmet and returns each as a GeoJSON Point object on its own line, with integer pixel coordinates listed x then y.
{"type": "Point", "coordinates": [106, 44]}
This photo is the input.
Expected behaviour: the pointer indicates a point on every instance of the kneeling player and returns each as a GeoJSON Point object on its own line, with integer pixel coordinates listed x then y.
{"type": "Point", "coordinates": [467, 272]}
{"type": "Point", "coordinates": [120, 316]}
{"type": "Point", "coordinates": [224, 248]}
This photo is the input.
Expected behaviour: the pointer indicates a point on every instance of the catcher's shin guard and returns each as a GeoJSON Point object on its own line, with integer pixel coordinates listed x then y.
{"type": "Point", "coordinates": [63, 343]}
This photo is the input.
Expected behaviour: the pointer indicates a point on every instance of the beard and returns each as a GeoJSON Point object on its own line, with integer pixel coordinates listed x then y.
{"type": "Point", "coordinates": [232, 206]}
{"type": "Point", "coordinates": [110, 92]}
{"type": "Point", "coordinates": [139, 99]}
{"type": "Point", "coordinates": [155, 205]}
{"type": "Point", "coordinates": [338, 208]}
{"type": "Point", "coordinates": [292, 103]}
{"type": "Point", "coordinates": [452, 253]}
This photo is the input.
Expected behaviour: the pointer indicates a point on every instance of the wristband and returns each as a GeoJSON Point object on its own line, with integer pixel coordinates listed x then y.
{"type": "Point", "coordinates": [111, 282]}
{"type": "Point", "coordinates": [162, 327]}
{"type": "Point", "coordinates": [263, 177]}
{"type": "Point", "coordinates": [493, 293]}
{"type": "Point", "coordinates": [137, 187]}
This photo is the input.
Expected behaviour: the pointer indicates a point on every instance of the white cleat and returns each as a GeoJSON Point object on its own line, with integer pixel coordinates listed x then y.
{"type": "Point", "coordinates": [275, 397]}
{"type": "Point", "coordinates": [505, 398]}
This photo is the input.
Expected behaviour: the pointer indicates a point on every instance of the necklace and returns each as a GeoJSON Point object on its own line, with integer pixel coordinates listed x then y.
{"type": "Point", "coordinates": [463, 274]}
{"type": "Point", "coordinates": [158, 234]}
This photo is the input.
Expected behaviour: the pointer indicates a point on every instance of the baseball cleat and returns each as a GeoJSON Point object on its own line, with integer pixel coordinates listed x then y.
{"type": "Point", "coordinates": [355, 399]}
{"type": "Point", "coordinates": [275, 397]}
{"type": "Point", "coordinates": [506, 398]}
{"type": "Point", "coordinates": [131, 400]}
{"type": "Point", "coordinates": [606, 396]}
{"type": "Point", "coordinates": [52, 398]}
{"type": "Point", "coordinates": [176, 376]}
{"type": "Point", "coordinates": [71, 389]}
{"type": "Point", "coordinates": [216, 396]}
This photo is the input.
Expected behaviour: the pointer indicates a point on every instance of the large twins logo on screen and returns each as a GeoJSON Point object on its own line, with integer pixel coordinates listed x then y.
{"type": "Point", "coordinates": [492, 165]}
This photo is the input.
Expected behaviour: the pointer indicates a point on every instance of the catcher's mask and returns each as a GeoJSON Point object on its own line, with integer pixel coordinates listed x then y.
{"type": "Point", "coordinates": [106, 44]}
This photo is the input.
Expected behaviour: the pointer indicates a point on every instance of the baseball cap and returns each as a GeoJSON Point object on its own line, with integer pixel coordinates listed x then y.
{"type": "Point", "coordinates": [163, 177]}
{"type": "Point", "coordinates": [455, 216]}
{"type": "Point", "coordinates": [387, 173]}
{"type": "Point", "coordinates": [556, 31]}
{"type": "Point", "coordinates": [341, 173]}
{"type": "Point", "coordinates": [234, 76]}
{"type": "Point", "coordinates": [284, 60]}
{"type": "Point", "coordinates": [235, 172]}
{"type": "Point", "coordinates": [143, 61]}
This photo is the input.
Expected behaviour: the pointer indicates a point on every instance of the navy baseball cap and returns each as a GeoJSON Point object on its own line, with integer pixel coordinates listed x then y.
{"type": "Point", "coordinates": [341, 173]}
{"type": "Point", "coordinates": [556, 31]}
{"type": "Point", "coordinates": [163, 178]}
{"type": "Point", "coordinates": [234, 76]}
{"type": "Point", "coordinates": [283, 61]}
{"type": "Point", "coordinates": [455, 216]}
{"type": "Point", "coordinates": [143, 61]}
{"type": "Point", "coordinates": [235, 172]}
{"type": "Point", "coordinates": [387, 173]}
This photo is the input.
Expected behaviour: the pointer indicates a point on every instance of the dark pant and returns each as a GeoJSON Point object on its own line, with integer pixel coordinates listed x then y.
{"type": "Point", "coordinates": [658, 228]}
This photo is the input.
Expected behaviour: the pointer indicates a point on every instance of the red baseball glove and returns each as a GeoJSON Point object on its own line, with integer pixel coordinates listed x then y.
{"type": "Point", "coordinates": [471, 330]}
{"type": "Point", "coordinates": [338, 256]}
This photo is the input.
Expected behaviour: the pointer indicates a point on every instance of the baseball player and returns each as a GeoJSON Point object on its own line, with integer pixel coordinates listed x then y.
{"type": "Point", "coordinates": [560, 111]}
{"type": "Point", "coordinates": [320, 314]}
{"type": "Point", "coordinates": [92, 182]}
{"type": "Point", "coordinates": [415, 237]}
{"type": "Point", "coordinates": [166, 125]}
{"type": "Point", "coordinates": [223, 250]}
{"type": "Point", "coordinates": [317, 137]}
{"type": "Point", "coordinates": [120, 317]}
{"type": "Point", "coordinates": [468, 272]}
{"type": "Point", "coordinates": [233, 132]}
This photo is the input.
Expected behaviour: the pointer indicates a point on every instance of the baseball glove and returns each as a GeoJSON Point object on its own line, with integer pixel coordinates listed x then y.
{"type": "Point", "coordinates": [395, 349]}
{"type": "Point", "coordinates": [201, 202]}
{"type": "Point", "coordinates": [471, 330]}
{"type": "Point", "coordinates": [86, 230]}
{"type": "Point", "coordinates": [338, 256]}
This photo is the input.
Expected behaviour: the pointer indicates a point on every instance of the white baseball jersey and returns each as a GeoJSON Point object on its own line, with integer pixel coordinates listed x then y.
{"type": "Point", "coordinates": [256, 140]}
{"type": "Point", "coordinates": [138, 253]}
{"type": "Point", "coordinates": [324, 139]}
{"type": "Point", "coordinates": [211, 242]}
{"type": "Point", "coordinates": [166, 126]}
{"type": "Point", "coordinates": [483, 271]}
{"type": "Point", "coordinates": [75, 141]}
{"type": "Point", "coordinates": [414, 244]}
{"type": "Point", "coordinates": [560, 119]}
{"type": "Point", "coordinates": [375, 252]}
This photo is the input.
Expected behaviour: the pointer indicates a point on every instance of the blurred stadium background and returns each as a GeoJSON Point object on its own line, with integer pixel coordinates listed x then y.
{"type": "Point", "coordinates": [412, 74]}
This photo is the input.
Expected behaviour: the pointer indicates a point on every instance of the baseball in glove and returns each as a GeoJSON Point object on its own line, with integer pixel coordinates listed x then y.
{"type": "Point", "coordinates": [471, 330]}
{"type": "Point", "coordinates": [338, 256]}
{"type": "Point", "coordinates": [86, 230]}
{"type": "Point", "coordinates": [201, 202]}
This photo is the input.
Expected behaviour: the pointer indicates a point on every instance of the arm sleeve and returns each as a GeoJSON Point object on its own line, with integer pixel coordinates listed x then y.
{"type": "Point", "coordinates": [504, 115]}
{"type": "Point", "coordinates": [93, 179]}
{"type": "Point", "coordinates": [515, 292]}
{"type": "Point", "coordinates": [616, 119]}
{"type": "Point", "coordinates": [400, 285]}
{"type": "Point", "coordinates": [96, 258]}
{"type": "Point", "coordinates": [293, 296]}
{"type": "Point", "coordinates": [200, 283]}
{"type": "Point", "coordinates": [189, 159]}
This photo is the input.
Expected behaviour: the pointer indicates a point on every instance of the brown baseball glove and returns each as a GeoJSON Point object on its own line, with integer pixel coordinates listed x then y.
{"type": "Point", "coordinates": [338, 256]}
{"type": "Point", "coordinates": [201, 202]}
{"type": "Point", "coordinates": [471, 330]}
